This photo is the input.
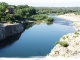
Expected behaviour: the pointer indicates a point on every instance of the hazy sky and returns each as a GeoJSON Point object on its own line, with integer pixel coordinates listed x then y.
{"type": "Point", "coordinates": [46, 3]}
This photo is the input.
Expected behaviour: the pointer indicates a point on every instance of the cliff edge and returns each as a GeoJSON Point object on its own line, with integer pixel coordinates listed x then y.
{"type": "Point", "coordinates": [69, 44]}
{"type": "Point", "coordinates": [9, 29]}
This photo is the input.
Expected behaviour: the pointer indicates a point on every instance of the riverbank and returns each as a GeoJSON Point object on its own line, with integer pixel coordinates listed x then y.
{"type": "Point", "coordinates": [74, 18]}
{"type": "Point", "coordinates": [69, 44]}
{"type": "Point", "coordinates": [9, 29]}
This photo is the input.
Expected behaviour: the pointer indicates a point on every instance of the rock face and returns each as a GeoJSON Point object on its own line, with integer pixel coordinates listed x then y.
{"type": "Point", "coordinates": [76, 25]}
{"type": "Point", "coordinates": [10, 29]}
{"type": "Point", "coordinates": [72, 39]}
{"type": "Point", "coordinates": [73, 48]}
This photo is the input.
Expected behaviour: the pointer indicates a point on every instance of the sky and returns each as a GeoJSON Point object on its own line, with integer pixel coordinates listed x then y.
{"type": "Point", "coordinates": [45, 3]}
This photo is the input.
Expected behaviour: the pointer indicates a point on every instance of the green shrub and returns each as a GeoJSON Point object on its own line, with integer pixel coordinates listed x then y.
{"type": "Point", "coordinates": [56, 43]}
{"type": "Point", "coordinates": [40, 17]}
{"type": "Point", "coordinates": [77, 43]}
{"type": "Point", "coordinates": [63, 38]}
{"type": "Point", "coordinates": [62, 43]}
{"type": "Point", "coordinates": [56, 52]}
{"type": "Point", "coordinates": [10, 22]}
{"type": "Point", "coordinates": [67, 36]}
{"type": "Point", "coordinates": [75, 36]}
{"type": "Point", "coordinates": [76, 33]}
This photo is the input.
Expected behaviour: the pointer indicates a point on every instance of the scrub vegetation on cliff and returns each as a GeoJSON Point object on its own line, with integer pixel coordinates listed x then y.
{"type": "Point", "coordinates": [12, 13]}
{"type": "Point", "coordinates": [62, 43]}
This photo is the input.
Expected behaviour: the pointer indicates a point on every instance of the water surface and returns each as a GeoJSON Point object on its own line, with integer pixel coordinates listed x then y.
{"type": "Point", "coordinates": [37, 40]}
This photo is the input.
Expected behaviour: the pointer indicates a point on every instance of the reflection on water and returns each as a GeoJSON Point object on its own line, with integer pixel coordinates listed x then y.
{"type": "Point", "coordinates": [12, 39]}
{"type": "Point", "coordinates": [62, 21]}
{"type": "Point", "coordinates": [37, 39]}
{"type": "Point", "coordinates": [27, 25]}
{"type": "Point", "coordinates": [49, 23]}
{"type": "Point", "coordinates": [9, 40]}
{"type": "Point", "coordinates": [39, 22]}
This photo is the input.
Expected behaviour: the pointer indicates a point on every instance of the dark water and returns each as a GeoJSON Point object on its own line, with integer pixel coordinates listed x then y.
{"type": "Point", "coordinates": [36, 40]}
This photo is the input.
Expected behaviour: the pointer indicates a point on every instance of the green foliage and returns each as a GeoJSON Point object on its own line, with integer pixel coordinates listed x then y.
{"type": "Point", "coordinates": [3, 6]}
{"type": "Point", "coordinates": [21, 12]}
{"type": "Point", "coordinates": [38, 17]}
{"type": "Point", "coordinates": [41, 17]}
{"type": "Point", "coordinates": [56, 42]}
{"type": "Point", "coordinates": [56, 52]}
{"type": "Point", "coordinates": [63, 37]}
{"type": "Point", "coordinates": [62, 43]}
{"type": "Point", "coordinates": [77, 43]}
{"type": "Point", "coordinates": [9, 22]}
{"type": "Point", "coordinates": [58, 10]}
{"type": "Point", "coordinates": [67, 36]}
{"type": "Point", "coordinates": [76, 33]}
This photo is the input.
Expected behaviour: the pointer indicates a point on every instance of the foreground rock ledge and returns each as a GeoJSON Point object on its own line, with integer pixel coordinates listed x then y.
{"type": "Point", "coordinates": [9, 29]}
{"type": "Point", "coordinates": [72, 50]}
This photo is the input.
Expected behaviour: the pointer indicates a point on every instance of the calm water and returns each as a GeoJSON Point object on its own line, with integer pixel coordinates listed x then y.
{"type": "Point", "coordinates": [37, 40]}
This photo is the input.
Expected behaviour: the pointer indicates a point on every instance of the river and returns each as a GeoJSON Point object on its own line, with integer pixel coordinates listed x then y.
{"type": "Point", "coordinates": [36, 39]}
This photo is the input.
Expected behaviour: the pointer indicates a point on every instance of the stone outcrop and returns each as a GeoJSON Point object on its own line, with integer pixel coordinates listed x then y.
{"type": "Point", "coordinates": [76, 25]}
{"type": "Point", "coordinates": [72, 39]}
{"type": "Point", "coordinates": [73, 48]}
{"type": "Point", "coordinates": [10, 29]}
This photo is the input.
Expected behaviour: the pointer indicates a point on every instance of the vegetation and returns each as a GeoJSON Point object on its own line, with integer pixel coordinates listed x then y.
{"type": "Point", "coordinates": [56, 52]}
{"type": "Point", "coordinates": [76, 33]}
{"type": "Point", "coordinates": [40, 17]}
{"type": "Point", "coordinates": [58, 10]}
{"type": "Point", "coordinates": [63, 37]}
{"type": "Point", "coordinates": [77, 43]}
{"type": "Point", "coordinates": [12, 13]}
{"type": "Point", "coordinates": [75, 36]}
{"type": "Point", "coordinates": [62, 43]}
{"type": "Point", "coordinates": [67, 36]}
{"type": "Point", "coordinates": [27, 25]}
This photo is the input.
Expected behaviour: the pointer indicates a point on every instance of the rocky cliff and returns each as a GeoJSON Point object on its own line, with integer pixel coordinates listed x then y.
{"type": "Point", "coordinates": [69, 44]}
{"type": "Point", "coordinates": [69, 49]}
{"type": "Point", "coordinates": [9, 29]}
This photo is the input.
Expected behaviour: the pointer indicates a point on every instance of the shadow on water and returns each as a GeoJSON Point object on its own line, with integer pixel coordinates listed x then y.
{"type": "Point", "coordinates": [62, 21]}
{"type": "Point", "coordinates": [49, 23]}
{"type": "Point", "coordinates": [9, 40]}
{"type": "Point", "coordinates": [28, 25]}
{"type": "Point", "coordinates": [12, 39]}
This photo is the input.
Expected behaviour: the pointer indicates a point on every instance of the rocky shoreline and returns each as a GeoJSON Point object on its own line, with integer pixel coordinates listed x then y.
{"type": "Point", "coordinates": [9, 29]}
{"type": "Point", "coordinates": [69, 44]}
{"type": "Point", "coordinates": [74, 18]}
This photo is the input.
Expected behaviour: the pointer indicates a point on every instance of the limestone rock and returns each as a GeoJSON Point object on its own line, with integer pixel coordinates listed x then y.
{"type": "Point", "coordinates": [73, 50]}
{"type": "Point", "coordinates": [10, 29]}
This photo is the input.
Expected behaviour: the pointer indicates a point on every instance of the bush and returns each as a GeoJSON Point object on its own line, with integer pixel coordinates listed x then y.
{"type": "Point", "coordinates": [76, 33]}
{"type": "Point", "coordinates": [56, 42]}
{"type": "Point", "coordinates": [67, 36]}
{"type": "Point", "coordinates": [62, 43]}
{"type": "Point", "coordinates": [77, 43]}
{"type": "Point", "coordinates": [9, 22]}
{"type": "Point", "coordinates": [63, 38]}
{"type": "Point", "coordinates": [49, 19]}
{"type": "Point", "coordinates": [40, 17]}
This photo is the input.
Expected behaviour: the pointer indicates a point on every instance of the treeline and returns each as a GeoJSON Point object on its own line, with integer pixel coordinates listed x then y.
{"type": "Point", "coordinates": [41, 17]}
{"type": "Point", "coordinates": [58, 10]}
{"type": "Point", "coordinates": [20, 12]}
{"type": "Point", "coordinates": [12, 13]}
